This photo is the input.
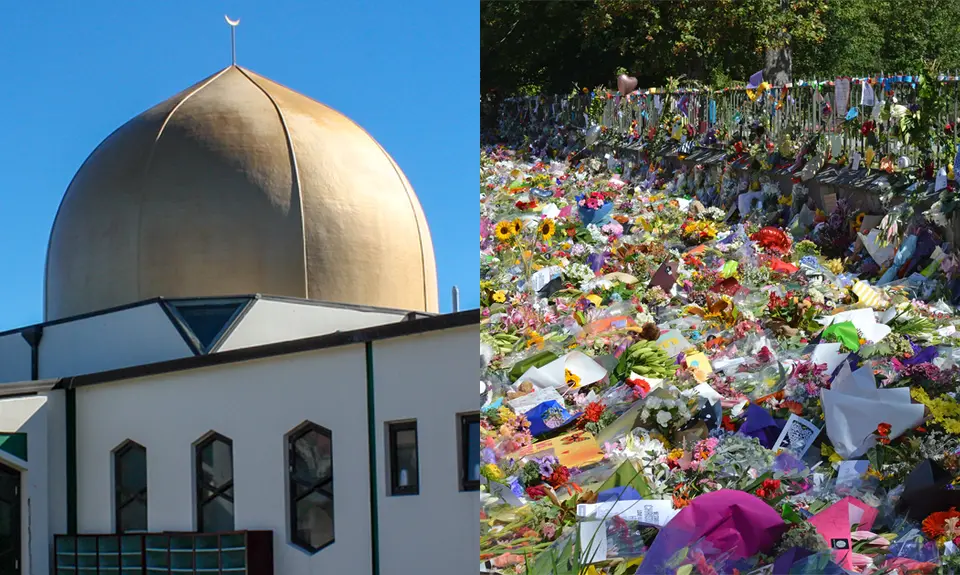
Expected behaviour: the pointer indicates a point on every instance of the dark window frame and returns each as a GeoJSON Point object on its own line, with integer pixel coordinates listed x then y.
{"type": "Point", "coordinates": [393, 428]}
{"type": "Point", "coordinates": [466, 420]}
{"type": "Point", "coordinates": [218, 491]}
{"type": "Point", "coordinates": [141, 495]}
{"type": "Point", "coordinates": [323, 487]}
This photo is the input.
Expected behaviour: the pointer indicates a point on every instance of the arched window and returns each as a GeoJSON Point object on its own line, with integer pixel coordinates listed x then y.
{"type": "Point", "coordinates": [214, 455]}
{"type": "Point", "coordinates": [310, 466]}
{"type": "Point", "coordinates": [130, 487]}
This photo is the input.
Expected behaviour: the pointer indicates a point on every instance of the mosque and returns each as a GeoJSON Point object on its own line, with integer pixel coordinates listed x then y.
{"type": "Point", "coordinates": [241, 369]}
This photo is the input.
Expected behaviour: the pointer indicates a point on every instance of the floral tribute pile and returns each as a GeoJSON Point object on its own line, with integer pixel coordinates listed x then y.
{"type": "Point", "coordinates": [671, 387]}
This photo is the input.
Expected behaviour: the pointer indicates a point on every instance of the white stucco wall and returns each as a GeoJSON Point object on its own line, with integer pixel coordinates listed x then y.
{"type": "Point", "coordinates": [30, 415]}
{"type": "Point", "coordinates": [255, 404]}
{"type": "Point", "coordinates": [271, 321]}
{"type": "Point", "coordinates": [57, 461]}
{"type": "Point", "coordinates": [134, 336]}
{"type": "Point", "coordinates": [14, 358]}
{"type": "Point", "coordinates": [430, 378]}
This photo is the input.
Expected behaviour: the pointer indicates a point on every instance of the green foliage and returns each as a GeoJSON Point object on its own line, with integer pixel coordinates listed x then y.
{"type": "Point", "coordinates": [551, 45]}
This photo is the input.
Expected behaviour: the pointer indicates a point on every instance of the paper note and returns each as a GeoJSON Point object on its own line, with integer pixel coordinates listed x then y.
{"type": "Point", "coordinates": [593, 540]}
{"type": "Point", "coordinates": [503, 492]}
{"type": "Point", "coordinates": [673, 343]}
{"type": "Point", "coordinates": [842, 95]}
{"type": "Point", "coordinates": [527, 402]}
{"type": "Point", "coordinates": [829, 203]}
{"type": "Point", "coordinates": [835, 146]}
{"type": "Point", "coordinates": [941, 181]}
{"type": "Point", "coordinates": [881, 255]}
{"type": "Point", "coordinates": [699, 361]}
{"type": "Point", "coordinates": [867, 97]}
{"type": "Point", "coordinates": [849, 472]}
{"type": "Point", "coordinates": [855, 161]}
{"type": "Point", "coordinates": [655, 512]}
{"type": "Point", "coordinates": [573, 449]}
{"type": "Point", "coordinates": [542, 277]}
{"type": "Point", "coordinates": [797, 436]}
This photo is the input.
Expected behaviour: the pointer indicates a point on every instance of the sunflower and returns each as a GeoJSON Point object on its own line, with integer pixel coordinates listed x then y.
{"type": "Point", "coordinates": [504, 231]}
{"type": "Point", "coordinates": [517, 226]}
{"type": "Point", "coordinates": [499, 296]}
{"type": "Point", "coordinates": [547, 229]}
{"type": "Point", "coordinates": [572, 379]}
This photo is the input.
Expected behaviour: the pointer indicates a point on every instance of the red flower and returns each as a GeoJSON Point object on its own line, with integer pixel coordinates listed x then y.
{"type": "Point", "coordinates": [640, 386]}
{"type": "Point", "coordinates": [536, 492]}
{"type": "Point", "coordinates": [560, 476]}
{"type": "Point", "coordinates": [768, 489]}
{"type": "Point", "coordinates": [593, 411]}
{"type": "Point", "coordinates": [883, 430]}
{"type": "Point", "coordinates": [764, 355]}
{"type": "Point", "coordinates": [727, 423]}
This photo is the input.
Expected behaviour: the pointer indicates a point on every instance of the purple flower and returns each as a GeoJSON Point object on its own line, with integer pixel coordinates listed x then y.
{"type": "Point", "coordinates": [488, 455]}
{"type": "Point", "coordinates": [596, 261]}
{"type": "Point", "coordinates": [546, 465]}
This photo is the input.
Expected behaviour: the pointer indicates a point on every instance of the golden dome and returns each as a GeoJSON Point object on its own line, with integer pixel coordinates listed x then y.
{"type": "Point", "coordinates": [238, 185]}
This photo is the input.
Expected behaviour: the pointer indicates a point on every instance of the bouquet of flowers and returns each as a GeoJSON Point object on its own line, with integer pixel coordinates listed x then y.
{"type": "Point", "coordinates": [665, 410]}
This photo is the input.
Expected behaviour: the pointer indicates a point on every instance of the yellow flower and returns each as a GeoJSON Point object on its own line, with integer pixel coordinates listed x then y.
{"type": "Point", "coordinates": [492, 472]}
{"type": "Point", "coordinates": [504, 231]}
{"type": "Point", "coordinates": [534, 339]}
{"type": "Point", "coordinates": [547, 229]}
{"type": "Point", "coordinates": [499, 296]}
{"type": "Point", "coordinates": [572, 379]}
{"type": "Point", "coordinates": [517, 226]}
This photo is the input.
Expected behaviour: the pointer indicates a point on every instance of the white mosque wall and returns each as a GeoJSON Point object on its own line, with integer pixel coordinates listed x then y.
{"type": "Point", "coordinates": [431, 378]}
{"type": "Point", "coordinates": [30, 415]}
{"type": "Point", "coordinates": [15, 359]}
{"type": "Point", "coordinates": [124, 338]}
{"type": "Point", "coordinates": [254, 404]}
{"type": "Point", "coordinates": [270, 321]}
{"type": "Point", "coordinates": [57, 460]}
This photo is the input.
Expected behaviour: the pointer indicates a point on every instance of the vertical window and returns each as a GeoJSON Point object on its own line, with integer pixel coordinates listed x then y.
{"type": "Point", "coordinates": [130, 487]}
{"type": "Point", "coordinates": [470, 452]}
{"type": "Point", "coordinates": [214, 484]}
{"type": "Point", "coordinates": [404, 464]}
{"type": "Point", "coordinates": [311, 486]}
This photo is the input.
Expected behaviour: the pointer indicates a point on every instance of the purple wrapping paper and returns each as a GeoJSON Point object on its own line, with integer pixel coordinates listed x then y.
{"type": "Point", "coordinates": [921, 355]}
{"type": "Point", "coordinates": [731, 523]}
{"type": "Point", "coordinates": [760, 424]}
{"type": "Point", "coordinates": [789, 557]}
{"type": "Point", "coordinates": [596, 261]}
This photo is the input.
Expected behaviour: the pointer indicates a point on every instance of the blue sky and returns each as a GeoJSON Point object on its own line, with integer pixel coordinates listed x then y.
{"type": "Point", "coordinates": [407, 71]}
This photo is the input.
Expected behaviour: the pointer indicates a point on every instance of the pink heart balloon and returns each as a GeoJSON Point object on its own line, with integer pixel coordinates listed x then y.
{"type": "Point", "coordinates": [626, 84]}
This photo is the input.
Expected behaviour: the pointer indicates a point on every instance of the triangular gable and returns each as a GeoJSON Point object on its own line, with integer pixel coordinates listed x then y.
{"type": "Point", "coordinates": [204, 323]}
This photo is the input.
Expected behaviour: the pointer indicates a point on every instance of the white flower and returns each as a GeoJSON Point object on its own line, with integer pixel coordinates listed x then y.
{"type": "Point", "coordinates": [663, 418]}
{"type": "Point", "coordinates": [815, 296]}
{"type": "Point", "coordinates": [644, 415]}
{"type": "Point", "coordinates": [653, 402]}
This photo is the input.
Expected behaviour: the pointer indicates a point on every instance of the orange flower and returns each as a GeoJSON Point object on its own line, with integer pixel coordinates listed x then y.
{"type": "Point", "coordinates": [680, 502]}
{"type": "Point", "coordinates": [934, 523]}
{"type": "Point", "coordinates": [794, 407]}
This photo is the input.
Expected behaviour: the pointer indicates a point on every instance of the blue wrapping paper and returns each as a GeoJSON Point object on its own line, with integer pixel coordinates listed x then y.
{"type": "Point", "coordinates": [548, 416]}
{"type": "Point", "coordinates": [905, 252]}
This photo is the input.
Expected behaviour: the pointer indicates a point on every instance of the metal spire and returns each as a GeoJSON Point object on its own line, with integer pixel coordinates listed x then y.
{"type": "Point", "coordinates": [233, 38]}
